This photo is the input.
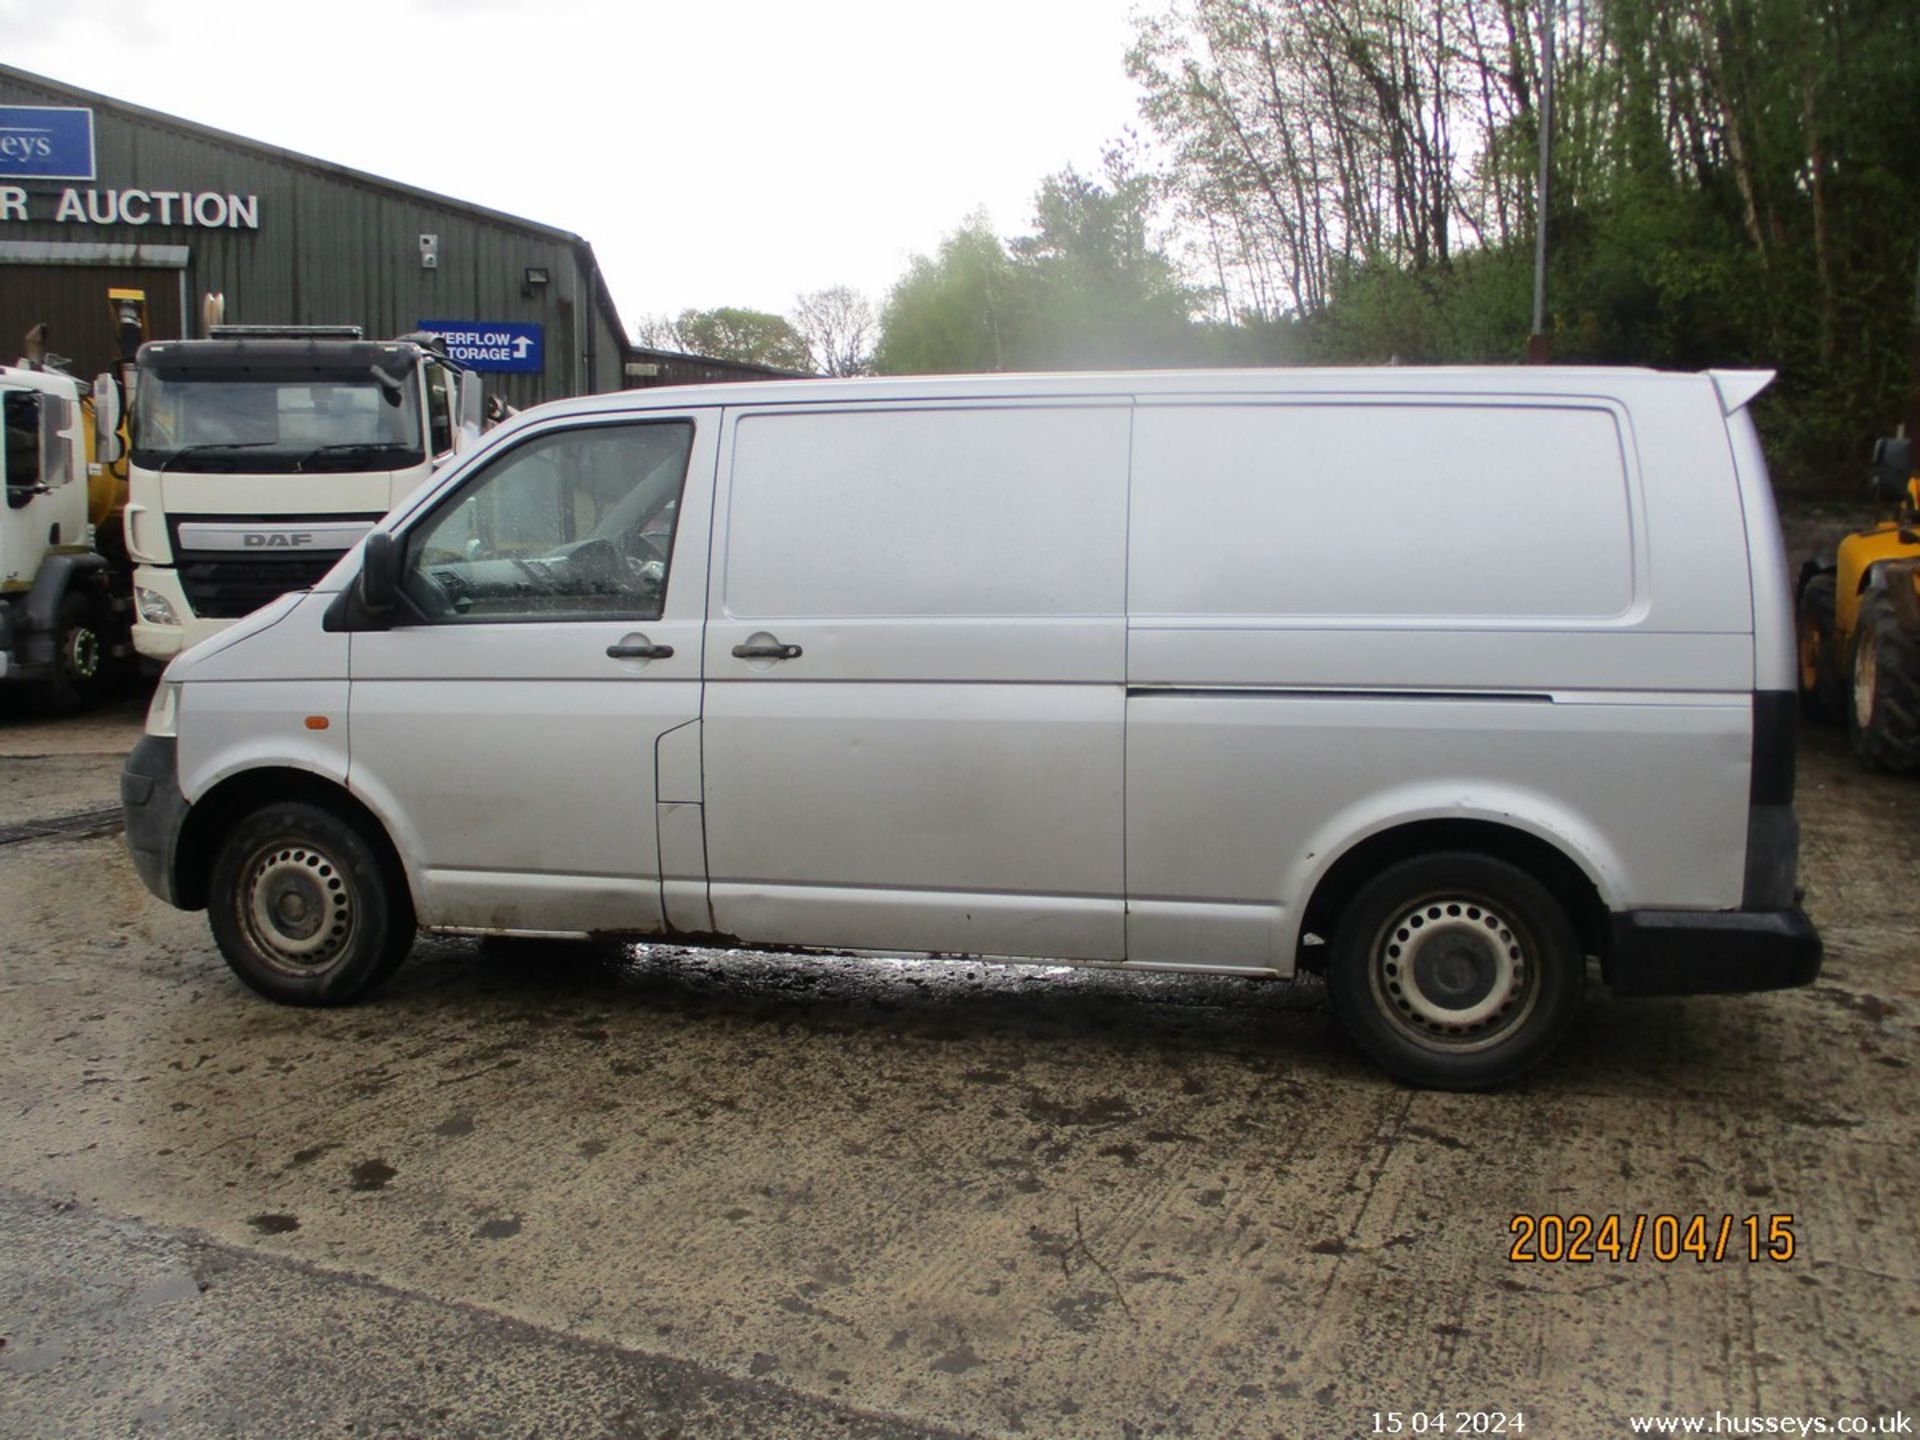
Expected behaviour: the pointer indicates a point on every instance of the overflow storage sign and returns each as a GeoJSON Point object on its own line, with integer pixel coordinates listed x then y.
{"type": "Point", "coordinates": [492, 344]}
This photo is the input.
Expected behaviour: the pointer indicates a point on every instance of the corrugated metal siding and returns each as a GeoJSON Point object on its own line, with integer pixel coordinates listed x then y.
{"type": "Point", "coordinates": [335, 247]}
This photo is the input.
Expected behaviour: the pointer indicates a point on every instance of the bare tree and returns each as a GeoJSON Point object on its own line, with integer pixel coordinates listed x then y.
{"type": "Point", "coordinates": [658, 332]}
{"type": "Point", "coordinates": [1312, 136]}
{"type": "Point", "coordinates": [839, 327]}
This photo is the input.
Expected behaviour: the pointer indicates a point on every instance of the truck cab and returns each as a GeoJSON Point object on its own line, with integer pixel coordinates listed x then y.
{"type": "Point", "coordinates": [56, 606]}
{"type": "Point", "coordinates": [259, 458]}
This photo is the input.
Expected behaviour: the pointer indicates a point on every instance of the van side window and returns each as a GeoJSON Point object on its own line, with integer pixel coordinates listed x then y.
{"type": "Point", "coordinates": [572, 524]}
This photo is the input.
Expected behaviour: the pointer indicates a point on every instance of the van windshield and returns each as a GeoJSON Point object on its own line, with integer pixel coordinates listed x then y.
{"type": "Point", "coordinates": [296, 421]}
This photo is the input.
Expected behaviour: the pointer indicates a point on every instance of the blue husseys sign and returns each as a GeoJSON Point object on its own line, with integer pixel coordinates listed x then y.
{"type": "Point", "coordinates": [491, 344]}
{"type": "Point", "coordinates": [41, 142]}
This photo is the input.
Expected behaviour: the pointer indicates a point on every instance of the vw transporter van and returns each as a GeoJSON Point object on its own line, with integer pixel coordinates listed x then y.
{"type": "Point", "coordinates": [1442, 682]}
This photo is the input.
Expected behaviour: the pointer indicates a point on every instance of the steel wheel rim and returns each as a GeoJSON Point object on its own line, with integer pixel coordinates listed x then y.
{"type": "Point", "coordinates": [1454, 972]}
{"type": "Point", "coordinates": [298, 908]}
{"type": "Point", "coordinates": [81, 652]}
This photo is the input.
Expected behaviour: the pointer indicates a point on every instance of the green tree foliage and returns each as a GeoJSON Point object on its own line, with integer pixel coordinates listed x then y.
{"type": "Point", "coordinates": [1087, 289]}
{"type": "Point", "coordinates": [731, 333]}
{"type": "Point", "coordinates": [1099, 293]}
{"type": "Point", "coordinates": [1736, 182]}
{"type": "Point", "coordinates": [954, 313]}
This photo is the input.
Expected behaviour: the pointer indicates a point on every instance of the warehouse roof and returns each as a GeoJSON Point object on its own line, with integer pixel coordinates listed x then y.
{"type": "Point", "coordinates": [140, 114]}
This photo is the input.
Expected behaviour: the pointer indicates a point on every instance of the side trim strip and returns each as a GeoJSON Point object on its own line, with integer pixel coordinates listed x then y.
{"type": "Point", "coordinates": [1288, 692]}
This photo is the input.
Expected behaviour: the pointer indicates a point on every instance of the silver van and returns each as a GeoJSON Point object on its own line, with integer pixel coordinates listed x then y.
{"type": "Point", "coordinates": [1439, 682]}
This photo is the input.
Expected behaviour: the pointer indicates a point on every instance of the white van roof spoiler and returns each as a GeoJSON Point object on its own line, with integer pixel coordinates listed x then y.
{"type": "Point", "coordinates": [1738, 387]}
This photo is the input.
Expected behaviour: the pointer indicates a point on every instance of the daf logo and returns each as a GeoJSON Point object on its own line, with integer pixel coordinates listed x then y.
{"type": "Point", "coordinates": [257, 539]}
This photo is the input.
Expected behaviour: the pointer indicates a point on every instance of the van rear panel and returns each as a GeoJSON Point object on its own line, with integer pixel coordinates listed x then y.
{"type": "Point", "coordinates": [1350, 613]}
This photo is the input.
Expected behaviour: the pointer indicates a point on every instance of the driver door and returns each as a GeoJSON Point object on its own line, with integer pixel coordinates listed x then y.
{"type": "Point", "coordinates": [513, 722]}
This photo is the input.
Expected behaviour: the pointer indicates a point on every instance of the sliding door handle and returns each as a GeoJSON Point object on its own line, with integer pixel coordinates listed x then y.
{"type": "Point", "coordinates": [767, 650]}
{"type": "Point", "coordinates": [624, 651]}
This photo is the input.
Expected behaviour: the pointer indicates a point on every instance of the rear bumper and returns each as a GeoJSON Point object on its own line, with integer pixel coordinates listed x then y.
{"type": "Point", "coordinates": [1692, 952]}
{"type": "Point", "coordinates": [155, 812]}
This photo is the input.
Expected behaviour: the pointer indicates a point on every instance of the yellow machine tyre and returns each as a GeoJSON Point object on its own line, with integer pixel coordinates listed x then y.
{"type": "Point", "coordinates": [1823, 696]}
{"type": "Point", "coordinates": [1883, 718]}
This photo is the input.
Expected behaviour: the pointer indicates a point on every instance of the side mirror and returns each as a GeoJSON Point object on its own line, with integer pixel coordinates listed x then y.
{"type": "Point", "coordinates": [379, 577]}
{"type": "Point", "coordinates": [61, 442]}
{"type": "Point", "coordinates": [472, 411]}
{"type": "Point", "coordinates": [107, 447]}
{"type": "Point", "coordinates": [1892, 469]}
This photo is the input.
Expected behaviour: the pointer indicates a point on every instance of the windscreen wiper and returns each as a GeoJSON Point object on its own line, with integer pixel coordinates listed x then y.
{"type": "Point", "coordinates": [206, 446]}
{"type": "Point", "coordinates": [342, 446]}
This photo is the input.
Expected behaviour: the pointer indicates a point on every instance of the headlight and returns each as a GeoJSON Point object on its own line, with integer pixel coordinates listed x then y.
{"type": "Point", "coordinates": [163, 715]}
{"type": "Point", "coordinates": [154, 607]}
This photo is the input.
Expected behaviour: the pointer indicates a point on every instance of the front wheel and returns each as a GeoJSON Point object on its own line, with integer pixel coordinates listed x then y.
{"type": "Point", "coordinates": [305, 908]}
{"type": "Point", "coordinates": [1455, 970]}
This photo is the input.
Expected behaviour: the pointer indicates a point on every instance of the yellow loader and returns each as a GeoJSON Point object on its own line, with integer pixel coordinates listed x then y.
{"type": "Point", "coordinates": [1860, 624]}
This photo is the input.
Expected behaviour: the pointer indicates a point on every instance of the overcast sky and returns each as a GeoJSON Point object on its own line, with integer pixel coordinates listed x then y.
{"type": "Point", "coordinates": [732, 152]}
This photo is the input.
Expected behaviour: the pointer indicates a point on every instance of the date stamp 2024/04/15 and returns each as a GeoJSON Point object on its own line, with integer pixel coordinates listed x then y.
{"type": "Point", "coordinates": [1580, 1239]}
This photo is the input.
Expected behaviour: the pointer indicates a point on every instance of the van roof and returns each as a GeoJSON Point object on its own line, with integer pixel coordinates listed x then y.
{"type": "Point", "coordinates": [1380, 379]}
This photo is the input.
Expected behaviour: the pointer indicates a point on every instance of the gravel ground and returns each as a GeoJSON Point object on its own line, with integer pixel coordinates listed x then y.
{"type": "Point", "coordinates": [549, 1190]}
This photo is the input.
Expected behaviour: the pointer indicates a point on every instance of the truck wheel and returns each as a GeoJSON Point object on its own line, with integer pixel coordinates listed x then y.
{"type": "Point", "coordinates": [1822, 695]}
{"type": "Point", "coordinates": [80, 661]}
{"type": "Point", "coordinates": [1884, 719]}
{"type": "Point", "coordinates": [305, 908]}
{"type": "Point", "coordinates": [1455, 970]}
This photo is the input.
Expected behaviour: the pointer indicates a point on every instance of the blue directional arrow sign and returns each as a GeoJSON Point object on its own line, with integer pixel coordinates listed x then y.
{"type": "Point", "coordinates": [509, 345]}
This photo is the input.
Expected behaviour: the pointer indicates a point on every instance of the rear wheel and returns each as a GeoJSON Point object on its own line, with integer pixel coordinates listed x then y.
{"type": "Point", "coordinates": [1822, 694]}
{"type": "Point", "coordinates": [1455, 970]}
{"type": "Point", "coordinates": [1883, 719]}
{"type": "Point", "coordinates": [305, 907]}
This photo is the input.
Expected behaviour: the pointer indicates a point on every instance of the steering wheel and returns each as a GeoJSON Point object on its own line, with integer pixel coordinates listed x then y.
{"type": "Point", "coordinates": [599, 564]}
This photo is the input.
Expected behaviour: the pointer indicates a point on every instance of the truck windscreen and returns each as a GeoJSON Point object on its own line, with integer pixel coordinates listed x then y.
{"type": "Point", "coordinates": [294, 421]}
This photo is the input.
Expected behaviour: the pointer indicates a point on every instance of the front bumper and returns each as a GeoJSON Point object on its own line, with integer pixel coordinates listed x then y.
{"type": "Point", "coordinates": [155, 812]}
{"type": "Point", "coordinates": [1693, 952]}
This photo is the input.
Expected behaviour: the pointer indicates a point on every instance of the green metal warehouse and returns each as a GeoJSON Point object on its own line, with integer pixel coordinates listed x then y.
{"type": "Point", "coordinates": [96, 193]}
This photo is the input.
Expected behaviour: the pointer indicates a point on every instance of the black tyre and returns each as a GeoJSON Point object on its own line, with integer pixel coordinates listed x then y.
{"type": "Point", "coordinates": [1823, 695]}
{"type": "Point", "coordinates": [80, 659]}
{"type": "Point", "coordinates": [1455, 970]}
{"type": "Point", "coordinates": [305, 907]}
{"type": "Point", "coordinates": [1883, 718]}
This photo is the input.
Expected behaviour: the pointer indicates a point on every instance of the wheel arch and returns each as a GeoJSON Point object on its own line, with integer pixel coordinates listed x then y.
{"type": "Point", "coordinates": [214, 814]}
{"type": "Point", "coordinates": [1564, 878]}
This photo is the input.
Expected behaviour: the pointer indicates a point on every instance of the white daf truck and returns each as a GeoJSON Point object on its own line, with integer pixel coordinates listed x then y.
{"type": "Point", "coordinates": [263, 454]}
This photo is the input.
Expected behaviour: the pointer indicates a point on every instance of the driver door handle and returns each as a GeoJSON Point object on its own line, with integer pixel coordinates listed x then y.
{"type": "Point", "coordinates": [640, 652]}
{"type": "Point", "coordinates": [771, 651]}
